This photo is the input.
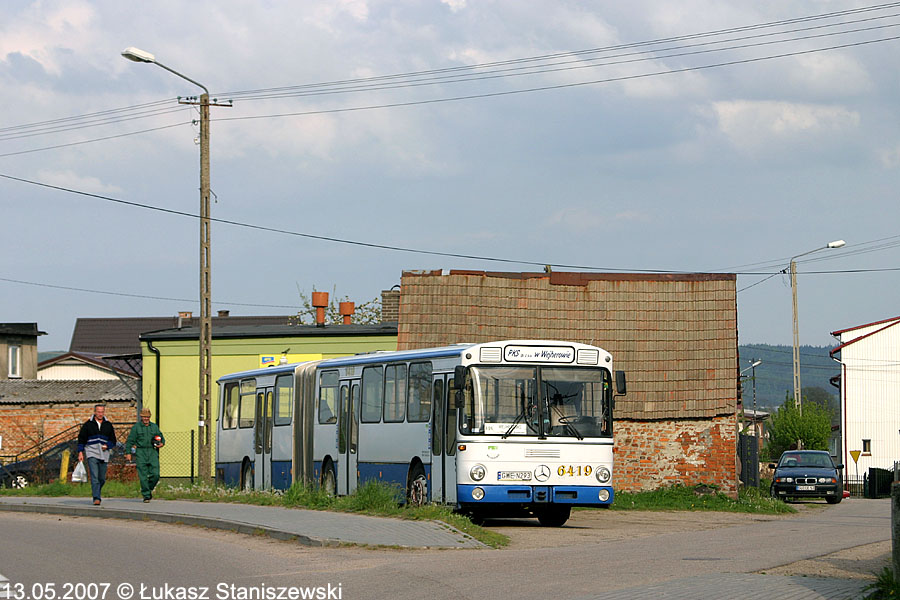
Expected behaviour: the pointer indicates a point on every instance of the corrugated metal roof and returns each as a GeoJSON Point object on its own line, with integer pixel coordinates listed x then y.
{"type": "Point", "coordinates": [674, 334]}
{"type": "Point", "coordinates": [122, 335]}
{"type": "Point", "coordinates": [263, 331]}
{"type": "Point", "coordinates": [32, 391]}
{"type": "Point", "coordinates": [20, 329]}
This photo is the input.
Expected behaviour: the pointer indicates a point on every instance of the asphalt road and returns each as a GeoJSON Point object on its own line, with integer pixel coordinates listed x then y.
{"type": "Point", "coordinates": [594, 556]}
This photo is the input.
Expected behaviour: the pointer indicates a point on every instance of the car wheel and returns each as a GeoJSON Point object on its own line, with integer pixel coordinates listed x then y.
{"type": "Point", "coordinates": [417, 487]}
{"type": "Point", "coordinates": [329, 483]}
{"type": "Point", "coordinates": [19, 481]}
{"type": "Point", "coordinates": [247, 478]}
{"type": "Point", "coordinates": [834, 499]}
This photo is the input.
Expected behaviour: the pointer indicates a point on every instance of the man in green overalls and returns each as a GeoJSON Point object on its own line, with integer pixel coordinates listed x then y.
{"type": "Point", "coordinates": [144, 442]}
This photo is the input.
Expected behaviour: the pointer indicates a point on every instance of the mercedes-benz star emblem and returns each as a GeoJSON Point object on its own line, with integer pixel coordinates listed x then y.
{"type": "Point", "coordinates": [542, 473]}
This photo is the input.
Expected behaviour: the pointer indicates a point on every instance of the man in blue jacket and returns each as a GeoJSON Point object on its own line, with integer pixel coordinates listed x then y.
{"type": "Point", "coordinates": [95, 440]}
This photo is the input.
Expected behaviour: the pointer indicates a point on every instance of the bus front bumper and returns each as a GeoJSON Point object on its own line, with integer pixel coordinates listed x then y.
{"type": "Point", "coordinates": [573, 495]}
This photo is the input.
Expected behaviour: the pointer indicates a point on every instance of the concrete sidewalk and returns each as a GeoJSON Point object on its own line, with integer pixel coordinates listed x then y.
{"type": "Point", "coordinates": [308, 527]}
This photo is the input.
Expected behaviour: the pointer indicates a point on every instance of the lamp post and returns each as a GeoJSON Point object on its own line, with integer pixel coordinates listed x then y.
{"type": "Point", "coordinates": [752, 368]}
{"type": "Point", "coordinates": [793, 267]}
{"type": "Point", "coordinates": [203, 411]}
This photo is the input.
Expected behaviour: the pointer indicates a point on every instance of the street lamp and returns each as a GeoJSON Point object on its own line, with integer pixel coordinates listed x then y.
{"type": "Point", "coordinates": [752, 369]}
{"type": "Point", "coordinates": [793, 267]}
{"type": "Point", "coordinates": [203, 456]}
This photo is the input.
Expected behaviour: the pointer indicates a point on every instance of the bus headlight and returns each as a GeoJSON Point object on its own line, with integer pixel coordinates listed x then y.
{"type": "Point", "coordinates": [603, 495]}
{"type": "Point", "coordinates": [603, 474]}
{"type": "Point", "coordinates": [477, 474]}
{"type": "Point", "coordinates": [477, 493]}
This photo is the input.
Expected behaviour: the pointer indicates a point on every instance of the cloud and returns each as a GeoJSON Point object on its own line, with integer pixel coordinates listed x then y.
{"type": "Point", "coordinates": [584, 218]}
{"type": "Point", "coordinates": [83, 183]}
{"type": "Point", "coordinates": [754, 125]}
{"type": "Point", "coordinates": [890, 157]}
{"type": "Point", "coordinates": [455, 5]}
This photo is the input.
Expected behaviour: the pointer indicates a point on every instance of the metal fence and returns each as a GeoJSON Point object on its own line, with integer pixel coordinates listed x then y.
{"type": "Point", "coordinates": [178, 458]}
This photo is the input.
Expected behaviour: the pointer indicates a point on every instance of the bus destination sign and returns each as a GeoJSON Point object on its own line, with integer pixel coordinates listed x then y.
{"type": "Point", "coordinates": [541, 354]}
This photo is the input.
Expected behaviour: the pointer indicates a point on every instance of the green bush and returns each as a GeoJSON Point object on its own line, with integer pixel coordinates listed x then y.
{"type": "Point", "coordinates": [886, 586]}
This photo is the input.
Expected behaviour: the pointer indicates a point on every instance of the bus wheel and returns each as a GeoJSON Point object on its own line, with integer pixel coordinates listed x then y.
{"type": "Point", "coordinates": [554, 516]}
{"type": "Point", "coordinates": [417, 487]}
{"type": "Point", "coordinates": [329, 483]}
{"type": "Point", "coordinates": [246, 477]}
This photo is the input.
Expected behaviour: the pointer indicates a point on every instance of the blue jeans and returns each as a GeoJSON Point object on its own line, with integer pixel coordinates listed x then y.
{"type": "Point", "coordinates": [97, 469]}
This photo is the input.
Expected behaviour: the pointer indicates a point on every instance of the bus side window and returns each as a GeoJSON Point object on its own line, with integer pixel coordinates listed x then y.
{"type": "Point", "coordinates": [328, 382]}
{"type": "Point", "coordinates": [450, 425]}
{"type": "Point", "coordinates": [342, 419]}
{"type": "Point", "coordinates": [247, 410]}
{"type": "Point", "coordinates": [418, 408]}
{"type": "Point", "coordinates": [437, 424]}
{"type": "Point", "coordinates": [230, 406]}
{"type": "Point", "coordinates": [283, 391]}
{"type": "Point", "coordinates": [394, 393]}
{"type": "Point", "coordinates": [373, 387]}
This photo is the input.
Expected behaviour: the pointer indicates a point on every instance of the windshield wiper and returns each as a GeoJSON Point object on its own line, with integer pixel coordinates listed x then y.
{"type": "Point", "coordinates": [518, 418]}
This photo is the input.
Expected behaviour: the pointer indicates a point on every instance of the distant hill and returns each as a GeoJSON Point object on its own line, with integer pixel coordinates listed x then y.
{"type": "Point", "coordinates": [775, 376]}
{"type": "Point", "coordinates": [42, 356]}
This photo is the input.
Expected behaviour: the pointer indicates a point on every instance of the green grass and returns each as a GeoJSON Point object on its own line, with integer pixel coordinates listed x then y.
{"type": "Point", "coordinates": [750, 500]}
{"type": "Point", "coordinates": [886, 586]}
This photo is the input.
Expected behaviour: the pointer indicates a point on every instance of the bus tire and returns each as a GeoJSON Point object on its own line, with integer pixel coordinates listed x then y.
{"type": "Point", "coordinates": [246, 477]}
{"type": "Point", "coordinates": [329, 481]}
{"type": "Point", "coordinates": [417, 486]}
{"type": "Point", "coordinates": [554, 515]}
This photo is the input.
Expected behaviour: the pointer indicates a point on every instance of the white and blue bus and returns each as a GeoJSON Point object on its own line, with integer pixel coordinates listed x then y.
{"type": "Point", "coordinates": [505, 428]}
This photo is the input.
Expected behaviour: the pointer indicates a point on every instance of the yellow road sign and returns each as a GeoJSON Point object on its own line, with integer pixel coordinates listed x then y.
{"type": "Point", "coordinates": [855, 454]}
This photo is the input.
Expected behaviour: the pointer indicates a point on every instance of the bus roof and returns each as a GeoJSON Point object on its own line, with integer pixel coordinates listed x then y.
{"type": "Point", "coordinates": [402, 355]}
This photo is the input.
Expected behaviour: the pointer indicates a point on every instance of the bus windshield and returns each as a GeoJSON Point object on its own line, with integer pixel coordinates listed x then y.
{"type": "Point", "coordinates": [538, 401]}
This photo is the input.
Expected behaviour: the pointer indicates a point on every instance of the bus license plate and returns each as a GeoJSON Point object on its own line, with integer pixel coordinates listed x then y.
{"type": "Point", "coordinates": [806, 488]}
{"type": "Point", "coordinates": [514, 476]}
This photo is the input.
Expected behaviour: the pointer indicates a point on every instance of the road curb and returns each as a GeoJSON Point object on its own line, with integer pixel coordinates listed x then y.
{"type": "Point", "coordinates": [171, 518]}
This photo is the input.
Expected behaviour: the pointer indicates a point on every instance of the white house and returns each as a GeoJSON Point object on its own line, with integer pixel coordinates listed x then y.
{"type": "Point", "coordinates": [870, 394]}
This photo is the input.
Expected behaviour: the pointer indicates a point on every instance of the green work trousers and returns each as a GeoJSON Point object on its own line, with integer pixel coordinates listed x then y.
{"type": "Point", "coordinates": [147, 461]}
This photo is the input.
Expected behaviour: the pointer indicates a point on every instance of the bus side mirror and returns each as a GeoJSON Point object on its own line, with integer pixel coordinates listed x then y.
{"type": "Point", "coordinates": [620, 383]}
{"type": "Point", "coordinates": [459, 376]}
{"type": "Point", "coordinates": [459, 401]}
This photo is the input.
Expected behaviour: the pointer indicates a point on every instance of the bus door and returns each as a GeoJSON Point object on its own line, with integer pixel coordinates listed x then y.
{"type": "Point", "coordinates": [348, 437]}
{"type": "Point", "coordinates": [443, 441]}
{"type": "Point", "coordinates": [262, 439]}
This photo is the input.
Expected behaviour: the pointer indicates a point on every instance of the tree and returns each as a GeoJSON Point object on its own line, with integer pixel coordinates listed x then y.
{"type": "Point", "coordinates": [812, 426]}
{"type": "Point", "coordinates": [364, 313]}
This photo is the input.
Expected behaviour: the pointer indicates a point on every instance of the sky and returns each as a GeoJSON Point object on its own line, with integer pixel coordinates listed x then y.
{"type": "Point", "coordinates": [642, 136]}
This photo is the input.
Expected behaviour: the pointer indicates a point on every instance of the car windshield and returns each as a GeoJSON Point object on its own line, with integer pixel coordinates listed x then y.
{"type": "Point", "coordinates": [805, 459]}
{"type": "Point", "coordinates": [538, 401]}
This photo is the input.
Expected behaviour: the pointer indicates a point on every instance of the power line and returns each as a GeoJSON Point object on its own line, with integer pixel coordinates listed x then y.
{"type": "Point", "coordinates": [377, 245]}
{"type": "Point", "coordinates": [91, 141]}
{"type": "Point", "coordinates": [556, 86]}
{"type": "Point", "coordinates": [141, 296]}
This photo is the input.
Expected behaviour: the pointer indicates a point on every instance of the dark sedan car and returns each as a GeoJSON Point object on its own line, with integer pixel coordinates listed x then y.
{"type": "Point", "coordinates": [807, 474]}
{"type": "Point", "coordinates": [38, 469]}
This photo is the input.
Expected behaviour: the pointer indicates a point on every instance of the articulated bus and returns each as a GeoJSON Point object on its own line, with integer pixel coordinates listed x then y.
{"type": "Point", "coordinates": [505, 428]}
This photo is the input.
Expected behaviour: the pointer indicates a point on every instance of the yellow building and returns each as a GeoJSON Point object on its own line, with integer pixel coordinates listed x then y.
{"type": "Point", "coordinates": [171, 370]}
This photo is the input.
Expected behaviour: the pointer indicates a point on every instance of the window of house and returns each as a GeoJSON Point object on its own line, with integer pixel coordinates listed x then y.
{"type": "Point", "coordinates": [15, 361]}
{"type": "Point", "coordinates": [867, 446]}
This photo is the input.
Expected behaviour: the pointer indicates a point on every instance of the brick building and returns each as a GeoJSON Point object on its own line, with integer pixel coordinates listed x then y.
{"type": "Point", "coordinates": [675, 336]}
{"type": "Point", "coordinates": [32, 412]}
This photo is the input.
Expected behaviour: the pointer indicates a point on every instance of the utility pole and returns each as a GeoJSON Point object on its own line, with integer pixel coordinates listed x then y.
{"type": "Point", "coordinates": [204, 415]}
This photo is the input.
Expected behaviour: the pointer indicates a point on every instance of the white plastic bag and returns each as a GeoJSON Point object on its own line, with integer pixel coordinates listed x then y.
{"type": "Point", "coordinates": [79, 474]}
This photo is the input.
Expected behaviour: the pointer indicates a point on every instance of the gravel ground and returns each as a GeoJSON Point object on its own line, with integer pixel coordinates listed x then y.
{"type": "Point", "coordinates": [861, 562]}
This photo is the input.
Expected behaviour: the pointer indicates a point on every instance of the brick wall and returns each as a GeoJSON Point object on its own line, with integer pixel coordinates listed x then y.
{"type": "Point", "coordinates": [653, 454]}
{"type": "Point", "coordinates": [23, 426]}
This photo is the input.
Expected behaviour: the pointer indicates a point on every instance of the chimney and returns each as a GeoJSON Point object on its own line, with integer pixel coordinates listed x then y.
{"type": "Point", "coordinates": [182, 315]}
{"type": "Point", "coordinates": [346, 310]}
{"type": "Point", "coordinates": [320, 302]}
{"type": "Point", "coordinates": [390, 305]}
{"type": "Point", "coordinates": [224, 313]}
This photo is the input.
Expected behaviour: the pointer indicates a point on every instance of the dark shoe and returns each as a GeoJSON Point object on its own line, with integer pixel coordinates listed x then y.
{"type": "Point", "coordinates": [96, 501]}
